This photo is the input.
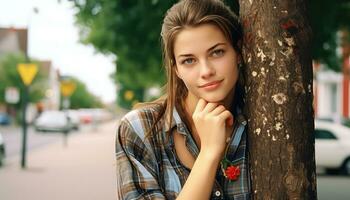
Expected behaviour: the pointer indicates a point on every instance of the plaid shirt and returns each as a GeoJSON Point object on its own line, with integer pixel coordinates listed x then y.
{"type": "Point", "coordinates": [148, 168]}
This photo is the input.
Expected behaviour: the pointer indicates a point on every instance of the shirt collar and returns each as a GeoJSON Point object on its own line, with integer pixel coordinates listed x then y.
{"type": "Point", "coordinates": [176, 121]}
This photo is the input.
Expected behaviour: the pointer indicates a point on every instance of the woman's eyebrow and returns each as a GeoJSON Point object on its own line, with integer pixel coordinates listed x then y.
{"type": "Point", "coordinates": [185, 55]}
{"type": "Point", "coordinates": [218, 44]}
{"type": "Point", "coordinates": [210, 49]}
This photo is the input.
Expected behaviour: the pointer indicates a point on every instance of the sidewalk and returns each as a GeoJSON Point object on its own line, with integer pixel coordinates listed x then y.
{"type": "Point", "coordinates": [85, 170]}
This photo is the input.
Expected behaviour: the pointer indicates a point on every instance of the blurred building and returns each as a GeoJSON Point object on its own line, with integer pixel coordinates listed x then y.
{"type": "Point", "coordinates": [332, 89]}
{"type": "Point", "coordinates": [15, 41]}
{"type": "Point", "coordinates": [12, 41]}
{"type": "Point", "coordinates": [52, 93]}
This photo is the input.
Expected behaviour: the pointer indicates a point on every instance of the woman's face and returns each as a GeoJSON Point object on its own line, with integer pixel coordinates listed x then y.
{"type": "Point", "coordinates": [206, 62]}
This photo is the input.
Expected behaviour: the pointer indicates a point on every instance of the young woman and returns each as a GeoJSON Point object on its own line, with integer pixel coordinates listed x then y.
{"type": "Point", "coordinates": [191, 143]}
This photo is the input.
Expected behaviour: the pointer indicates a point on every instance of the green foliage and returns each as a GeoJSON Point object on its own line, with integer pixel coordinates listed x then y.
{"type": "Point", "coordinates": [9, 77]}
{"type": "Point", "coordinates": [82, 98]}
{"type": "Point", "coordinates": [130, 30]}
{"type": "Point", "coordinates": [124, 102]}
{"type": "Point", "coordinates": [326, 18]}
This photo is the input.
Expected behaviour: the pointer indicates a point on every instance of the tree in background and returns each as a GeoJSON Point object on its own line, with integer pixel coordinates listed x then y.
{"type": "Point", "coordinates": [327, 18]}
{"type": "Point", "coordinates": [9, 77]}
{"type": "Point", "coordinates": [81, 97]}
{"type": "Point", "coordinates": [130, 30]}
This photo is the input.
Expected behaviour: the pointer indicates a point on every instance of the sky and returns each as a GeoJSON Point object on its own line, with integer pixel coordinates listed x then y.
{"type": "Point", "coordinates": [54, 36]}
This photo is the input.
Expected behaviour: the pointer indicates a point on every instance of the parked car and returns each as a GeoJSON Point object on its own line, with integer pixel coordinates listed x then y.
{"type": "Point", "coordinates": [85, 116]}
{"type": "Point", "coordinates": [2, 150]}
{"type": "Point", "coordinates": [53, 121]}
{"type": "Point", "coordinates": [4, 119]}
{"type": "Point", "coordinates": [94, 115]}
{"type": "Point", "coordinates": [74, 118]}
{"type": "Point", "coordinates": [332, 147]}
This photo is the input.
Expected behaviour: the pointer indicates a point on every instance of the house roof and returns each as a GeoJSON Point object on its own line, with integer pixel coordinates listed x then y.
{"type": "Point", "coordinates": [13, 40]}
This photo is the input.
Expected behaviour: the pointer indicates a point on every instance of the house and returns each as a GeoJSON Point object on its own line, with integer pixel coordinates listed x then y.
{"type": "Point", "coordinates": [15, 41]}
{"type": "Point", "coordinates": [52, 93]}
{"type": "Point", "coordinates": [332, 89]}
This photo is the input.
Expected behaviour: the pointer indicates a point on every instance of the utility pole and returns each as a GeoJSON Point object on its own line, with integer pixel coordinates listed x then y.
{"type": "Point", "coordinates": [27, 72]}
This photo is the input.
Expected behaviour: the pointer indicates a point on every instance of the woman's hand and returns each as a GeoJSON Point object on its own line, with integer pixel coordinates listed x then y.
{"type": "Point", "coordinates": [212, 122]}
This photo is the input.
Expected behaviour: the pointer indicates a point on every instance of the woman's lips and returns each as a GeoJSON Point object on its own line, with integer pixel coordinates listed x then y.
{"type": "Point", "coordinates": [212, 85]}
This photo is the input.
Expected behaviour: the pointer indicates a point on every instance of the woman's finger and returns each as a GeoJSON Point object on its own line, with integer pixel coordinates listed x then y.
{"type": "Point", "coordinates": [219, 109]}
{"type": "Point", "coordinates": [200, 105]}
{"type": "Point", "coordinates": [209, 107]}
{"type": "Point", "coordinates": [227, 117]}
{"type": "Point", "coordinates": [230, 121]}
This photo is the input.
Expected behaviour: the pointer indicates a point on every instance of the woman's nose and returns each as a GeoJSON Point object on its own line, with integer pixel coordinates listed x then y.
{"type": "Point", "coordinates": [207, 69]}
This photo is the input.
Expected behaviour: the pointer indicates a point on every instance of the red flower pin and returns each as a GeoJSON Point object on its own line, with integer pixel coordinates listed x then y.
{"type": "Point", "coordinates": [232, 173]}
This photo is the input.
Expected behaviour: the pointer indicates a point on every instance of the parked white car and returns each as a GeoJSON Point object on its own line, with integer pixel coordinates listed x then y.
{"type": "Point", "coordinates": [332, 147]}
{"type": "Point", "coordinates": [53, 120]}
{"type": "Point", "coordinates": [74, 118]}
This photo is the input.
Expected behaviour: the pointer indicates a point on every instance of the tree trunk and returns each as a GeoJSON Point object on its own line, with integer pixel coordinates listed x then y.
{"type": "Point", "coordinates": [278, 84]}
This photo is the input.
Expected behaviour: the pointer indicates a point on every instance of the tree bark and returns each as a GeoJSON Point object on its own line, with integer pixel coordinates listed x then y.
{"type": "Point", "coordinates": [279, 93]}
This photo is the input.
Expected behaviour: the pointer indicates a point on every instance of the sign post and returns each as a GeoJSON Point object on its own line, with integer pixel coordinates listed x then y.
{"type": "Point", "coordinates": [27, 73]}
{"type": "Point", "coordinates": [67, 89]}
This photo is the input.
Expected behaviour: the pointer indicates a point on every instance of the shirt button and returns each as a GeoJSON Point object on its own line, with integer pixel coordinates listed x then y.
{"type": "Point", "coordinates": [217, 193]}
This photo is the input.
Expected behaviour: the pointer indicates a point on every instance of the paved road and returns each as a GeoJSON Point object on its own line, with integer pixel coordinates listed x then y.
{"type": "Point", "coordinates": [83, 170]}
{"type": "Point", "coordinates": [13, 138]}
{"type": "Point", "coordinates": [333, 187]}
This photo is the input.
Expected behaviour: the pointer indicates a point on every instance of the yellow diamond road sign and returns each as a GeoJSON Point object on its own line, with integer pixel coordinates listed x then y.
{"type": "Point", "coordinates": [67, 88]}
{"type": "Point", "coordinates": [27, 72]}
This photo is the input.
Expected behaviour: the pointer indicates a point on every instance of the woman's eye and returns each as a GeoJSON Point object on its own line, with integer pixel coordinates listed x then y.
{"type": "Point", "coordinates": [188, 61]}
{"type": "Point", "coordinates": [218, 52]}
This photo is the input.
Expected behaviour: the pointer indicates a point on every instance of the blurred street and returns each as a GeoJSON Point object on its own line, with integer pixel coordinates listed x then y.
{"type": "Point", "coordinates": [85, 169]}
{"type": "Point", "coordinates": [13, 139]}
{"type": "Point", "coordinates": [333, 187]}
{"type": "Point", "coordinates": [82, 170]}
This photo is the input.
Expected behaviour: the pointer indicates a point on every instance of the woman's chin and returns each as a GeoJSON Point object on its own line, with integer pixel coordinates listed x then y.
{"type": "Point", "coordinates": [213, 100]}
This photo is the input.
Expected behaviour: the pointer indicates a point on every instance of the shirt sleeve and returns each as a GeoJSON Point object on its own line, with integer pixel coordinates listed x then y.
{"type": "Point", "coordinates": [136, 167]}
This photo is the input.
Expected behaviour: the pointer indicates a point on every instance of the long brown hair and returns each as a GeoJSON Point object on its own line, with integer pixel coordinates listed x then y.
{"type": "Point", "coordinates": [192, 13]}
